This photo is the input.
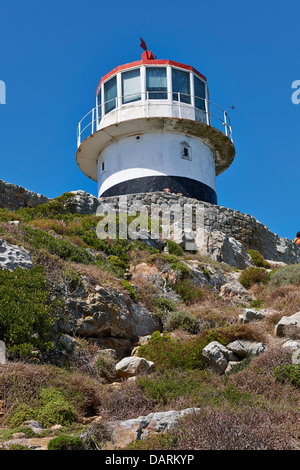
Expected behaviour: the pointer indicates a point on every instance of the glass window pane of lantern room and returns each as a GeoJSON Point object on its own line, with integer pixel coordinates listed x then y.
{"type": "Point", "coordinates": [199, 87]}
{"type": "Point", "coordinates": [110, 94]}
{"type": "Point", "coordinates": [181, 86]}
{"type": "Point", "coordinates": [156, 78]}
{"type": "Point", "coordinates": [131, 86]}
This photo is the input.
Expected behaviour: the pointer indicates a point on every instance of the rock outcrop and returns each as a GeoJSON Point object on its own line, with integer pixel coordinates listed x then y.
{"type": "Point", "coordinates": [109, 317]}
{"type": "Point", "coordinates": [13, 256]}
{"type": "Point", "coordinates": [118, 434]}
{"type": "Point", "coordinates": [287, 324]}
{"type": "Point", "coordinates": [132, 366]}
{"type": "Point", "coordinates": [221, 359]}
{"type": "Point", "coordinates": [13, 197]}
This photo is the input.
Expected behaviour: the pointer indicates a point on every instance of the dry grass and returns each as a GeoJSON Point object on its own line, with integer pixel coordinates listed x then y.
{"type": "Point", "coordinates": [284, 299]}
{"type": "Point", "coordinates": [250, 429]}
{"type": "Point", "coordinates": [95, 275]}
{"type": "Point", "coordinates": [258, 379]}
{"type": "Point", "coordinates": [213, 311]}
{"type": "Point", "coordinates": [21, 383]}
{"type": "Point", "coordinates": [125, 401]}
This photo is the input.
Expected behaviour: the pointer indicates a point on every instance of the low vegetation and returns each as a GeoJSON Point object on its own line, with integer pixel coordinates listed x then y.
{"type": "Point", "coordinates": [255, 407]}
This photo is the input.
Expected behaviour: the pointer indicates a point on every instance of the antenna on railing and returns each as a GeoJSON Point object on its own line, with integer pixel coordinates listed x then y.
{"type": "Point", "coordinates": [230, 107]}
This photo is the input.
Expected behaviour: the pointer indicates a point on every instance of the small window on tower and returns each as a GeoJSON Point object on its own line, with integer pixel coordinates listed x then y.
{"type": "Point", "coordinates": [185, 151]}
{"type": "Point", "coordinates": [102, 167]}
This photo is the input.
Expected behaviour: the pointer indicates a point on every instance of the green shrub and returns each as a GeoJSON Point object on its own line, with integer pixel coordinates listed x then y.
{"type": "Point", "coordinates": [7, 215]}
{"type": "Point", "coordinates": [26, 318]}
{"type": "Point", "coordinates": [72, 278]}
{"type": "Point", "coordinates": [58, 246]}
{"type": "Point", "coordinates": [188, 292]}
{"type": "Point", "coordinates": [173, 353]}
{"type": "Point", "coordinates": [51, 209]}
{"type": "Point", "coordinates": [65, 443]}
{"type": "Point", "coordinates": [129, 287]}
{"type": "Point", "coordinates": [52, 407]}
{"type": "Point", "coordinates": [20, 413]}
{"type": "Point", "coordinates": [289, 274]}
{"type": "Point", "coordinates": [140, 245]}
{"type": "Point", "coordinates": [154, 442]}
{"type": "Point", "coordinates": [59, 412]}
{"type": "Point", "coordinates": [258, 259]}
{"type": "Point", "coordinates": [174, 248]}
{"type": "Point", "coordinates": [163, 386]}
{"type": "Point", "coordinates": [288, 373]}
{"type": "Point", "coordinates": [254, 275]}
{"type": "Point", "coordinates": [182, 269]}
{"type": "Point", "coordinates": [164, 304]}
{"type": "Point", "coordinates": [182, 320]}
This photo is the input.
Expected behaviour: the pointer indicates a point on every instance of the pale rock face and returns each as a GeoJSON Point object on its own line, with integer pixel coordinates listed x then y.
{"type": "Point", "coordinates": [2, 352]}
{"type": "Point", "coordinates": [286, 324]}
{"type": "Point", "coordinates": [244, 348]}
{"type": "Point", "coordinates": [83, 202]}
{"type": "Point", "coordinates": [109, 317]}
{"type": "Point", "coordinates": [217, 356]}
{"type": "Point", "coordinates": [12, 257]}
{"type": "Point", "coordinates": [224, 249]}
{"type": "Point", "coordinates": [220, 359]}
{"type": "Point", "coordinates": [121, 433]}
{"type": "Point", "coordinates": [253, 314]}
{"type": "Point", "coordinates": [131, 366]}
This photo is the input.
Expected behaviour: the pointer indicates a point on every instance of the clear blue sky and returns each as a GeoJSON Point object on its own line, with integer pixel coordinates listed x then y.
{"type": "Point", "coordinates": [53, 54]}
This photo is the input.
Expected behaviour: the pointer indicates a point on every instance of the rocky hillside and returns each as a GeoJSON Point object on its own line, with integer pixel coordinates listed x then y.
{"type": "Point", "coordinates": [140, 344]}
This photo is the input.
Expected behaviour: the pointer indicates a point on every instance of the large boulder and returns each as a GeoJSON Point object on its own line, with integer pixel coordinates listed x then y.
{"type": "Point", "coordinates": [13, 256]}
{"type": "Point", "coordinates": [131, 366]}
{"type": "Point", "coordinates": [254, 314]}
{"type": "Point", "coordinates": [110, 317]}
{"type": "Point", "coordinates": [216, 356]}
{"type": "Point", "coordinates": [220, 359]}
{"type": "Point", "coordinates": [243, 348]}
{"type": "Point", "coordinates": [288, 324]}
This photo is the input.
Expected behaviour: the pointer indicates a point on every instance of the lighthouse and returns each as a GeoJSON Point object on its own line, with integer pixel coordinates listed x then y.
{"type": "Point", "coordinates": [154, 128]}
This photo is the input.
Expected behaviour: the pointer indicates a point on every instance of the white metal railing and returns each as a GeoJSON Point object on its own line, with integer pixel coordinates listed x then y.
{"type": "Point", "coordinates": [199, 108]}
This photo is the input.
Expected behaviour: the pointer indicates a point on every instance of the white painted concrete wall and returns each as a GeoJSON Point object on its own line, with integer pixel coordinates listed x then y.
{"type": "Point", "coordinates": [155, 154]}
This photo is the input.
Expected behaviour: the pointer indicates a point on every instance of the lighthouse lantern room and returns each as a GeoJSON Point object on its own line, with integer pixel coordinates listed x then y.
{"type": "Point", "coordinates": [153, 129]}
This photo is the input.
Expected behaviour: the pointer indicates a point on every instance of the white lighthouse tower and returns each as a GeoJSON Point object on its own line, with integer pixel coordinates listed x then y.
{"type": "Point", "coordinates": [153, 129]}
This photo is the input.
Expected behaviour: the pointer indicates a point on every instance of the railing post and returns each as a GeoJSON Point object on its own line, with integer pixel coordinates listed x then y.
{"type": "Point", "coordinates": [225, 123]}
{"type": "Point", "coordinates": [79, 134]}
{"type": "Point", "coordinates": [147, 98]}
{"type": "Point", "coordinates": [206, 111]}
{"type": "Point", "coordinates": [93, 119]}
{"type": "Point", "coordinates": [179, 104]}
{"type": "Point", "coordinates": [97, 116]}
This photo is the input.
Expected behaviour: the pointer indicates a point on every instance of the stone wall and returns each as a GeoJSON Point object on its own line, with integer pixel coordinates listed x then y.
{"type": "Point", "coordinates": [219, 225]}
{"type": "Point", "coordinates": [232, 223]}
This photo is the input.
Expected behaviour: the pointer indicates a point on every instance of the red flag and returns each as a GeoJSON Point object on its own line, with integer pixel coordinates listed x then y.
{"type": "Point", "coordinates": [143, 44]}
